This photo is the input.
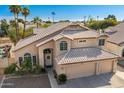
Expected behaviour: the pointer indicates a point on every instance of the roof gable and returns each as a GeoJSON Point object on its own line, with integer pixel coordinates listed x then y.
{"type": "Point", "coordinates": [44, 33]}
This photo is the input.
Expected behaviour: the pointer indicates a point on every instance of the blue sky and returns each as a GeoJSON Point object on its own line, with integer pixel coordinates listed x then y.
{"type": "Point", "coordinates": [67, 12]}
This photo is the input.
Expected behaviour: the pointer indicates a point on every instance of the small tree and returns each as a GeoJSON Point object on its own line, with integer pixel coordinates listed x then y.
{"type": "Point", "coordinates": [4, 27]}
{"type": "Point", "coordinates": [10, 69]}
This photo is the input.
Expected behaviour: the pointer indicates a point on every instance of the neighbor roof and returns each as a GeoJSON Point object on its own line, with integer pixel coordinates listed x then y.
{"type": "Point", "coordinates": [84, 54]}
{"type": "Point", "coordinates": [45, 32]}
{"type": "Point", "coordinates": [116, 33]}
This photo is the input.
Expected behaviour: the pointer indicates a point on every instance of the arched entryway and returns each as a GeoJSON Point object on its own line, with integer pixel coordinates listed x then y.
{"type": "Point", "coordinates": [48, 57]}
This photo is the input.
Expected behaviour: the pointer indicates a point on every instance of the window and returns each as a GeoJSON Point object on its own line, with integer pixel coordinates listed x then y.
{"type": "Point", "coordinates": [34, 60]}
{"type": "Point", "coordinates": [27, 56]}
{"type": "Point", "coordinates": [101, 42]}
{"type": "Point", "coordinates": [80, 41]}
{"type": "Point", "coordinates": [63, 45]}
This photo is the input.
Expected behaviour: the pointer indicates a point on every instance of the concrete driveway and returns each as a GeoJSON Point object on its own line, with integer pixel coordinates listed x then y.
{"type": "Point", "coordinates": [107, 80]}
{"type": "Point", "coordinates": [27, 81]}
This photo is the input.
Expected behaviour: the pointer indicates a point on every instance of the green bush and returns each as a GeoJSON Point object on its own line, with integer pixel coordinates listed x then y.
{"type": "Point", "coordinates": [38, 69]}
{"type": "Point", "coordinates": [26, 66]}
{"type": "Point", "coordinates": [10, 69]}
{"type": "Point", "coordinates": [62, 78]}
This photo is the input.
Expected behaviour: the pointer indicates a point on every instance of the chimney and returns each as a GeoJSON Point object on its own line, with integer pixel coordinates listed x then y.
{"type": "Point", "coordinates": [101, 32]}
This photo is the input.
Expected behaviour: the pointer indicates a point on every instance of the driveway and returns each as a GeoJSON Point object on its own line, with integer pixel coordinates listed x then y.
{"type": "Point", "coordinates": [1, 78]}
{"type": "Point", "coordinates": [28, 81]}
{"type": "Point", "coordinates": [107, 80]}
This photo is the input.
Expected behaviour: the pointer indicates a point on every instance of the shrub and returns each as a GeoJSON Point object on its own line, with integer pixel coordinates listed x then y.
{"type": "Point", "coordinates": [26, 66]}
{"type": "Point", "coordinates": [38, 69]}
{"type": "Point", "coordinates": [62, 78]}
{"type": "Point", "coordinates": [10, 69]}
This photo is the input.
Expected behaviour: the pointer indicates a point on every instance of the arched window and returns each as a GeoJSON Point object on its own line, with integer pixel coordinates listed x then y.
{"type": "Point", "coordinates": [123, 53]}
{"type": "Point", "coordinates": [63, 45]}
{"type": "Point", "coordinates": [27, 56]}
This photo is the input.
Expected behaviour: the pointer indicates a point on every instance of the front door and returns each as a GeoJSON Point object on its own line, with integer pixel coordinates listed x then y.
{"type": "Point", "coordinates": [48, 59]}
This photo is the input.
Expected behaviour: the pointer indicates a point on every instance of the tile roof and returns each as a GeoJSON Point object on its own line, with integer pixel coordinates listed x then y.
{"type": "Point", "coordinates": [81, 34]}
{"type": "Point", "coordinates": [116, 33]}
{"type": "Point", "coordinates": [41, 35]}
{"type": "Point", "coordinates": [84, 54]}
{"type": "Point", "coordinates": [71, 35]}
{"type": "Point", "coordinates": [44, 33]}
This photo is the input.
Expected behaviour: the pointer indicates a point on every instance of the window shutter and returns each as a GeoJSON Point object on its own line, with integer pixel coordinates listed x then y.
{"type": "Point", "coordinates": [20, 61]}
{"type": "Point", "coordinates": [34, 60]}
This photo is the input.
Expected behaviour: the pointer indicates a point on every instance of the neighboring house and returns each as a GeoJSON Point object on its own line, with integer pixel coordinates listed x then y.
{"type": "Point", "coordinates": [6, 55]}
{"type": "Point", "coordinates": [69, 48]}
{"type": "Point", "coordinates": [115, 42]}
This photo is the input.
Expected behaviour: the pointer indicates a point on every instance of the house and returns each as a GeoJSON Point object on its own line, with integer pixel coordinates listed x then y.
{"type": "Point", "coordinates": [69, 48]}
{"type": "Point", "coordinates": [115, 42]}
{"type": "Point", "coordinates": [6, 55]}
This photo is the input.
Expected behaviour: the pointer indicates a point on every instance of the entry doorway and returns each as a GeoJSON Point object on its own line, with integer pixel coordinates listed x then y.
{"type": "Point", "coordinates": [48, 57]}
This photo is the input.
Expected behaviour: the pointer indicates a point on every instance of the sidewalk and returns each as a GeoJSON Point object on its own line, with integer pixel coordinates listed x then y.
{"type": "Point", "coordinates": [51, 78]}
{"type": "Point", "coordinates": [120, 74]}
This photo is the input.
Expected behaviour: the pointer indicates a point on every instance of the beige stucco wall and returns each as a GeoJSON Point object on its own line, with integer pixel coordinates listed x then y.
{"type": "Point", "coordinates": [90, 42]}
{"type": "Point", "coordinates": [88, 68]}
{"type": "Point", "coordinates": [57, 46]}
{"type": "Point", "coordinates": [114, 48]}
{"type": "Point", "coordinates": [41, 48]}
{"type": "Point", "coordinates": [103, 37]}
{"type": "Point", "coordinates": [28, 49]}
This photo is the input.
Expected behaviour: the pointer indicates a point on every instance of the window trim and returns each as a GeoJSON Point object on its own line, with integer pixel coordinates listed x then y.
{"type": "Point", "coordinates": [101, 42]}
{"type": "Point", "coordinates": [26, 55]}
{"type": "Point", "coordinates": [82, 41]}
{"type": "Point", "coordinates": [63, 46]}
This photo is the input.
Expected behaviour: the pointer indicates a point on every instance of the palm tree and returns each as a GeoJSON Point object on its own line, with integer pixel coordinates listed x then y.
{"type": "Point", "coordinates": [97, 18]}
{"type": "Point", "coordinates": [16, 9]}
{"type": "Point", "coordinates": [25, 13]}
{"type": "Point", "coordinates": [53, 14]}
{"type": "Point", "coordinates": [37, 20]}
{"type": "Point", "coordinates": [84, 20]}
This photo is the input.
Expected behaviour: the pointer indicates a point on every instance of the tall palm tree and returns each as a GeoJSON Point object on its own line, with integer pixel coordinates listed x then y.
{"type": "Point", "coordinates": [97, 18]}
{"type": "Point", "coordinates": [84, 20]}
{"type": "Point", "coordinates": [37, 21]}
{"type": "Point", "coordinates": [53, 14]}
{"type": "Point", "coordinates": [25, 13]}
{"type": "Point", "coordinates": [16, 9]}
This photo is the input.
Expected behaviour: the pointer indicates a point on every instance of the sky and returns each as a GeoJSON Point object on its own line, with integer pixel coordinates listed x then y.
{"type": "Point", "coordinates": [67, 12]}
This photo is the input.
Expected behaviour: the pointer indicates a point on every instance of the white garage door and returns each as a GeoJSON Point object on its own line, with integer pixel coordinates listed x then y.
{"type": "Point", "coordinates": [106, 66]}
{"type": "Point", "coordinates": [80, 70]}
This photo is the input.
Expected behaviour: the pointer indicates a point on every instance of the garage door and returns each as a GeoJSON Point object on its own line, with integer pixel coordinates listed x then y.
{"type": "Point", "coordinates": [80, 70]}
{"type": "Point", "coordinates": [105, 66]}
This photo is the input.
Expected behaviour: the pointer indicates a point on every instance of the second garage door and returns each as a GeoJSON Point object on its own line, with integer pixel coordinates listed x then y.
{"type": "Point", "coordinates": [80, 70]}
{"type": "Point", "coordinates": [105, 66]}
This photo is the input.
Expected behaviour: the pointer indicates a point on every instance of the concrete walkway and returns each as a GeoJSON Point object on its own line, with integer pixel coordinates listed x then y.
{"type": "Point", "coordinates": [51, 78]}
{"type": "Point", "coordinates": [120, 72]}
